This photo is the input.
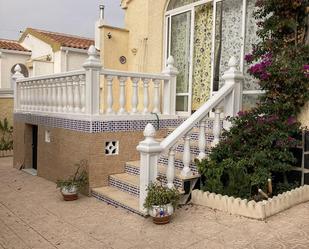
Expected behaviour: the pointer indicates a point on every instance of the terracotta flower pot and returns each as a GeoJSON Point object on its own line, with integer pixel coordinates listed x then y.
{"type": "Point", "coordinates": [69, 193]}
{"type": "Point", "coordinates": [161, 214]}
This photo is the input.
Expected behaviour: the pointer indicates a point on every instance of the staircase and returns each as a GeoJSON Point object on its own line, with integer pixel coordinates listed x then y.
{"type": "Point", "coordinates": [176, 152]}
{"type": "Point", "coordinates": [123, 188]}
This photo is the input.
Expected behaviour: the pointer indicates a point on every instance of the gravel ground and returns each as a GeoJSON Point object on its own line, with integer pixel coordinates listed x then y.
{"type": "Point", "coordinates": [33, 215]}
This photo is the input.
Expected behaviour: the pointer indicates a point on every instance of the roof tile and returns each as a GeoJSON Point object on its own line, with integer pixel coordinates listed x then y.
{"type": "Point", "coordinates": [12, 45]}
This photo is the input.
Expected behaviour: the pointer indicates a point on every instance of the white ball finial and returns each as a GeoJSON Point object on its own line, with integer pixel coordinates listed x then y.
{"type": "Point", "coordinates": [149, 131]}
{"type": "Point", "coordinates": [233, 62]}
{"type": "Point", "coordinates": [17, 68]}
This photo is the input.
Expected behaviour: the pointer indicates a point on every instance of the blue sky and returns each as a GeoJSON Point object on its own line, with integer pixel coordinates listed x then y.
{"type": "Point", "coordinates": [66, 16]}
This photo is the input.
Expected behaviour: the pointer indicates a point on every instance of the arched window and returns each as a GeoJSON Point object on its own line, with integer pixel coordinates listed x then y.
{"type": "Point", "coordinates": [24, 69]}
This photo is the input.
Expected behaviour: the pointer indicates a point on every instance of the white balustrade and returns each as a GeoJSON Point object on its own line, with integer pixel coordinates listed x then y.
{"type": "Point", "coordinates": [150, 149]}
{"type": "Point", "coordinates": [110, 99]}
{"type": "Point", "coordinates": [156, 100]}
{"type": "Point", "coordinates": [146, 95]}
{"type": "Point", "coordinates": [82, 92]}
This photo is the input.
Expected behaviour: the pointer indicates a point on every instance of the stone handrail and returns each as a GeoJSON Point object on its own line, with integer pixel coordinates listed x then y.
{"type": "Point", "coordinates": [227, 100]}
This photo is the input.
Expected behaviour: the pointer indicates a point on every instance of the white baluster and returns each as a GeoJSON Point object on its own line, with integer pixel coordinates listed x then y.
{"type": "Point", "coordinates": [26, 95]}
{"type": "Point", "coordinates": [39, 95]}
{"type": "Point", "coordinates": [186, 171]}
{"type": "Point", "coordinates": [82, 92]}
{"type": "Point", "coordinates": [202, 141]}
{"type": "Point", "coordinates": [76, 94]}
{"type": "Point", "coordinates": [70, 102]}
{"type": "Point", "coordinates": [22, 95]}
{"type": "Point", "coordinates": [49, 95]}
{"type": "Point", "coordinates": [122, 99]}
{"type": "Point", "coordinates": [216, 128]}
{"type": "Point", "coordinates": [54, 95]}
{"type": "Point", "coordinates": [44, 97]}
{"type": "Point", "coordinates": [170, 171]}
{"type": "Point", "coordinates": [134, 95]}
{"type": "Point", "coordinates": [64, 94]}
{"type": "Point", "coordinates": [59, 95]}
{"type": "Point", "coordinates": [110, 99]}
{"type": "Point", "coordinates": [156, 100]}
{"type": "Point", "coordinates": [146, 95]}
{"type": "Point", "coordinates": [30, 96]}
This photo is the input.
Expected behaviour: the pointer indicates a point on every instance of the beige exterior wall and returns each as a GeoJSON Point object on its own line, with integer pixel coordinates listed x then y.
{"type": "Point", "coordinates": [75, 60]}
{"type": "Point", "coordinates": [7, 61]}
{"type": "Point", "coordinates": [39, 48]}
{"type": "Point", "coordinates": [6, 109]}
{"type": "Point", "coordinates": [56, 159]}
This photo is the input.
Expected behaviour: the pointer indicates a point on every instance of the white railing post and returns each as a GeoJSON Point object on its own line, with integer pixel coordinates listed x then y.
{"type": "Point", "coordinates": [233, 102]}
{"type": "Point", "coordinates": [110, 98]}
{"type": "Point", "coordinates": [92, 97]}
{"type": "Point", "coordinates": [169, 88]}
{"type": "Point", "coordinates": [17, 90]}
{"type": "Point", "coordinates": [149, 150]}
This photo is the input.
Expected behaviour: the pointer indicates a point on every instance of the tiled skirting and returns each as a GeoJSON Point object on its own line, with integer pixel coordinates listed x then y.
{"type": "Point", "coordinates": [123, 186]}
{"type": "Point", "coordinates": [91, 126]}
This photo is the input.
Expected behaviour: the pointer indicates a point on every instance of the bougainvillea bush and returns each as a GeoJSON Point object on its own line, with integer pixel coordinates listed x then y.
{"type": "Point", "coordinates": [257, 147]}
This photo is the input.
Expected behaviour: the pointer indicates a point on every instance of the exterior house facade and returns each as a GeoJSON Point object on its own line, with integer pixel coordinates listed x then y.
{"type": "Point", "coordinates": [37, 52]}
{"type": "Point", "coordinates": [153, 102]}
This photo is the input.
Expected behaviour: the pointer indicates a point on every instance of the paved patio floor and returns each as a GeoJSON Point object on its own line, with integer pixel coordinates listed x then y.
{"type": "Point", "coordinates": [33, 215]}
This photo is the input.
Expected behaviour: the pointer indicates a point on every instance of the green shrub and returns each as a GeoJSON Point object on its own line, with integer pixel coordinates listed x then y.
{"type": "Point", "coordinates": [6, 135]}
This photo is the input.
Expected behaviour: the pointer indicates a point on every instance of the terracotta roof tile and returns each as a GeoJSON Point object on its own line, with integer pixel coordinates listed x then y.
{"type": "Point", "coordinates": [12, 45]}
{"type": "Point", "coordinates": [66, 40]}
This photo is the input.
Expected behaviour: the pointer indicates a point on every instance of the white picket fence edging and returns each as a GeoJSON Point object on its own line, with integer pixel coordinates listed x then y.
{"type": "Point", "coordinates": [6, 153]}
{"type": "Point", "coordinates": [252, 209]}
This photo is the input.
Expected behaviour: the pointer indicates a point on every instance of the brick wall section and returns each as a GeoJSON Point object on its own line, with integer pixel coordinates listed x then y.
{"type": "Point", "coordinates": [56, 159]}
{"type": "Point", "coordinates": [6, 109]}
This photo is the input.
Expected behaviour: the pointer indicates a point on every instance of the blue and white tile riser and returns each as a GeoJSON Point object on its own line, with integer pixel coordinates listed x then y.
{"type": "Point", "coordinates": [95, 126]}
{"type": "Point", "coordinates": [123, 186]}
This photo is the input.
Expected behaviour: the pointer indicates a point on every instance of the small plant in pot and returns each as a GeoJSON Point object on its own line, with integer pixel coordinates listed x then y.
{"type": "Point", "coordinates": [70, 187]}
{"type": "Point", "coordinates": [161, 202]}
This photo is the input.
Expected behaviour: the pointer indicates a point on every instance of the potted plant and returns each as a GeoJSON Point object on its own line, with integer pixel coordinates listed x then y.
{"type": "Point", "coordinates": [161, 202]}
{"type": "Point", "coordinates": [70, 187]}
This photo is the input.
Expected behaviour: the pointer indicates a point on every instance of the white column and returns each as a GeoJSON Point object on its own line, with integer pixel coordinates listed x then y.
{"type": "Point", "coordinates": [233, 102]}
{"type": "Point", "coordinates": [49, 95]}
{"type": "Point", "coordinates": [170, 171]}
{"type": "Point", "coordinates": [110, 100]}
{"type": "Point", "coordinates": [202, 141]}
{"type": "Point", "coordinates": [216, 128]}
{"type": "Point", "coordinates": [149, 150]}
{"type": "Point", "coordinates": [134, 95]}
{"type": "Point", "coordinates": [122, 98]}
{"type": "Point", "coordinates": [186, 171]}
{"type": "Point", "coordinates": [45, 94]}
{"type": "Point", "coordinates": [18, 92]}
{"type": "Point", "coordinates": [156, 99]}
{"type": "Point", "coordinates": [92, 84]}
{"type": "Point", "coordinates": [21, 104]}
{"type": "Point", "coordinates": [76, 97]}
{"type": "Point", "coordinates": [70, 102]}
{"type": "Point", "coordinates": [169, 88]}
{"type": "Point", "coordinates": [146, 96]}
{"type": "Point", "coordinates": [30, 96]}
{"type": "Point", "coordinates": [82, 92]}
{"type": "Point", "coordinates": [40, 95]}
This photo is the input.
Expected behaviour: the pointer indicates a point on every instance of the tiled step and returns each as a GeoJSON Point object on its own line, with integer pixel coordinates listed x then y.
{"type": "Point", "coordinates": [125, 182]}
{"type": "Point", "coordinates": [117, 198]}
{"type": "Point", "coordinates": [133, 168]}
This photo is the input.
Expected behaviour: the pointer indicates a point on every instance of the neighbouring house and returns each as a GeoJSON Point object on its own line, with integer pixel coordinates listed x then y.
{"type": "Point", "coordinates": [163, 85]}
{"type": "Point", "coordinates": [11, 54]}
{"type": "Point", "coordinates": [38, 52]}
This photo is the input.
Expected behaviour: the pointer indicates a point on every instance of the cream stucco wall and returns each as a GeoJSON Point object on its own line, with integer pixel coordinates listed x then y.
{"type": "Point", "coordinates": [38, 47]}
{"type": "Point", "coordinates": [7, 61]}
{"type": "Point", "coordinates": [74, 61]}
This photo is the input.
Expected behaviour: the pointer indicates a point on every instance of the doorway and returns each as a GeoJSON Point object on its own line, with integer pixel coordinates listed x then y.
{"type": "Point", "coordinates": [34, 147]}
